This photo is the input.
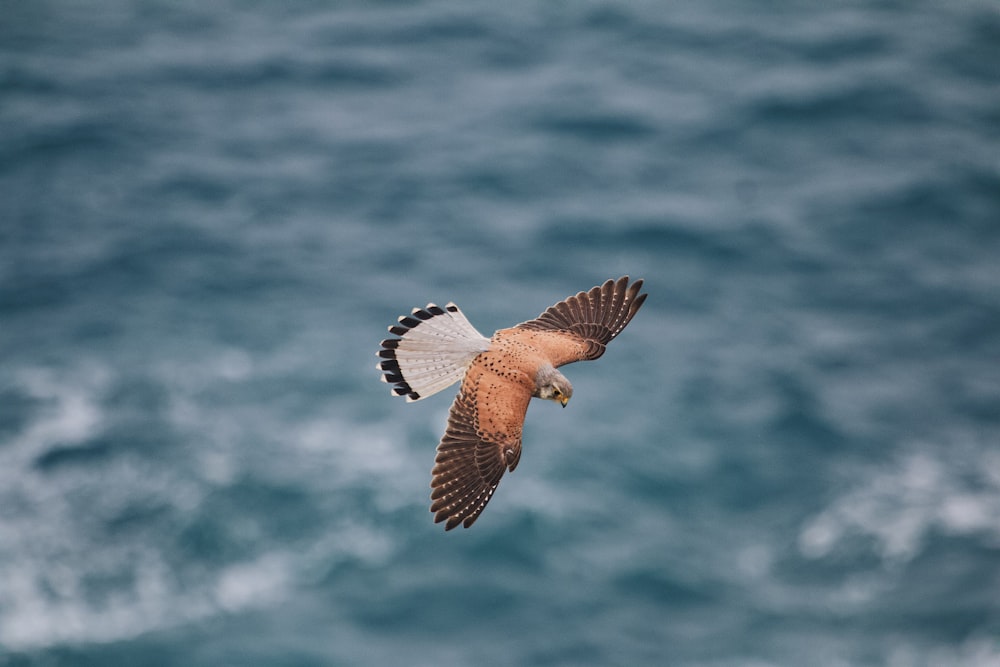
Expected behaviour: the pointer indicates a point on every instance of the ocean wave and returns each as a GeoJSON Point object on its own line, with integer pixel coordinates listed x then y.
{"type": "Point", "coordinates": [899, 506]}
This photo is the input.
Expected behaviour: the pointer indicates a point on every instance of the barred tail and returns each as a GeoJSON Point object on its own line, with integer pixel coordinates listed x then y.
{"type": "Point", "coordinates": [434, 348]}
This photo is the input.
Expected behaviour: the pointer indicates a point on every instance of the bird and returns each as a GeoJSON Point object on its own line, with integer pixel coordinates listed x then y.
{"type": "Point", "coordinates": [436, 347]}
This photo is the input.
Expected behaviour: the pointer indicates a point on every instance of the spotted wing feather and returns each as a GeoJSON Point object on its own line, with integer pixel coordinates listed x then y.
{"type": "Point", "coordinates": [482, 441]}
{"type": "Point", "coordinates": [588, 321]}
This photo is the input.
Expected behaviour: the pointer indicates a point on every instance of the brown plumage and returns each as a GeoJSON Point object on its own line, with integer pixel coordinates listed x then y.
{"type": "Point", "coordinates": [499, 376]}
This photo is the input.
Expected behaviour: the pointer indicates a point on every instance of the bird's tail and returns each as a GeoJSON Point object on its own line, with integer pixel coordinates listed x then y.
{"type": "Point", "coordinates": [433, 351]}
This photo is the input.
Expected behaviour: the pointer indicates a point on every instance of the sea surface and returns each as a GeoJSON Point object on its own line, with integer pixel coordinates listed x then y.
{"type": "Point", "coordinates": [211, 211]}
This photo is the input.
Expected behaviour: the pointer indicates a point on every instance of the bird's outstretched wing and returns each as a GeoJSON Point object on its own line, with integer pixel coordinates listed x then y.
{"type": "Point", "coordinates": [581, 326]}
{"type": "Point", "coordinates": [482, 441]}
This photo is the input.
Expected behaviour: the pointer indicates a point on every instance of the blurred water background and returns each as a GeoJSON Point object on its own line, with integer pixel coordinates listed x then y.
{"type": "Point", "coordinates": [209, 213]}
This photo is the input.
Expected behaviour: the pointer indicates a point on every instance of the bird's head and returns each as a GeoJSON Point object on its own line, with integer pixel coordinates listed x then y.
{"type": "Point", "coordinates": [552, 385]}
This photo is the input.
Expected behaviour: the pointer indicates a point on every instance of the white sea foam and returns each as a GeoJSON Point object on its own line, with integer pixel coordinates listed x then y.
{"type": "Point", "coordinates": [976, 651]}
{"type": "Point", "coordinates": [47, 556]}
{"type": "Point", "coordinates": [68, 580]}
{"type": "Point", "coordinates": [68, 411]}
{"type": "Point", "coordinates": [262, 581]}
{"type": "Point", "coordinates": [35, 617]}
{"type": "Point", "coordinates": [899, 505]}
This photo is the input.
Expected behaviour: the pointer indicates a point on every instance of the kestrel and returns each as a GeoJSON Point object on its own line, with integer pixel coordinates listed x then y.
{"type": "Point", "coordinates": [437, 347]}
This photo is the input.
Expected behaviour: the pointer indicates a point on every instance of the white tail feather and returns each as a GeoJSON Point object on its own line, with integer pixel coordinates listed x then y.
{"type": "Point", "coordinates": [433, 351]}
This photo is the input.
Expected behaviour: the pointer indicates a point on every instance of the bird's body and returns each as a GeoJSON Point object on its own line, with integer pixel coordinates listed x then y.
{"type": "Point", "coordinates": [437, 347]}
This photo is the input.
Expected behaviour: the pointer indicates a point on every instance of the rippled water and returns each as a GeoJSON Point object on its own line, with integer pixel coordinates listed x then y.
{"type": "Point", "coordinates": [209, 213]}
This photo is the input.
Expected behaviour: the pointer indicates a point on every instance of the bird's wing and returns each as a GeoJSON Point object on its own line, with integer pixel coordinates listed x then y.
{"type": "Point", "coordinates": [482, 441]}
{"type": "Point", "coordinates": [581, 326]}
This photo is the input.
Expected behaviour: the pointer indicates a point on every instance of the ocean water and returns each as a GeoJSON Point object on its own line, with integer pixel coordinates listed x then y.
{"type": "Point", "coordinates": [210, 212]}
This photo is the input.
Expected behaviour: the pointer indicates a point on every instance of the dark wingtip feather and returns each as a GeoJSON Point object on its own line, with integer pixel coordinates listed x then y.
{"type": "Point", "coordinates": [639, 300]}
{"type": "Point", "coordinates": [597, 315]}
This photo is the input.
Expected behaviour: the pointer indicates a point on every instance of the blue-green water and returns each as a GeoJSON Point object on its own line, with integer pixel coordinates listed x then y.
{"type": "Point", "coordinates": [209, 213]}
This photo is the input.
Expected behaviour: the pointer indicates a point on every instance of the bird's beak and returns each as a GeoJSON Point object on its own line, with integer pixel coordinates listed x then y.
{"type": "Point", "coordinates": [564, 400]}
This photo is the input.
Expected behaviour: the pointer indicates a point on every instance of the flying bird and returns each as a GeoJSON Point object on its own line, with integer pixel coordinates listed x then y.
{"type": "Point", "coordinates": [437, 347]}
